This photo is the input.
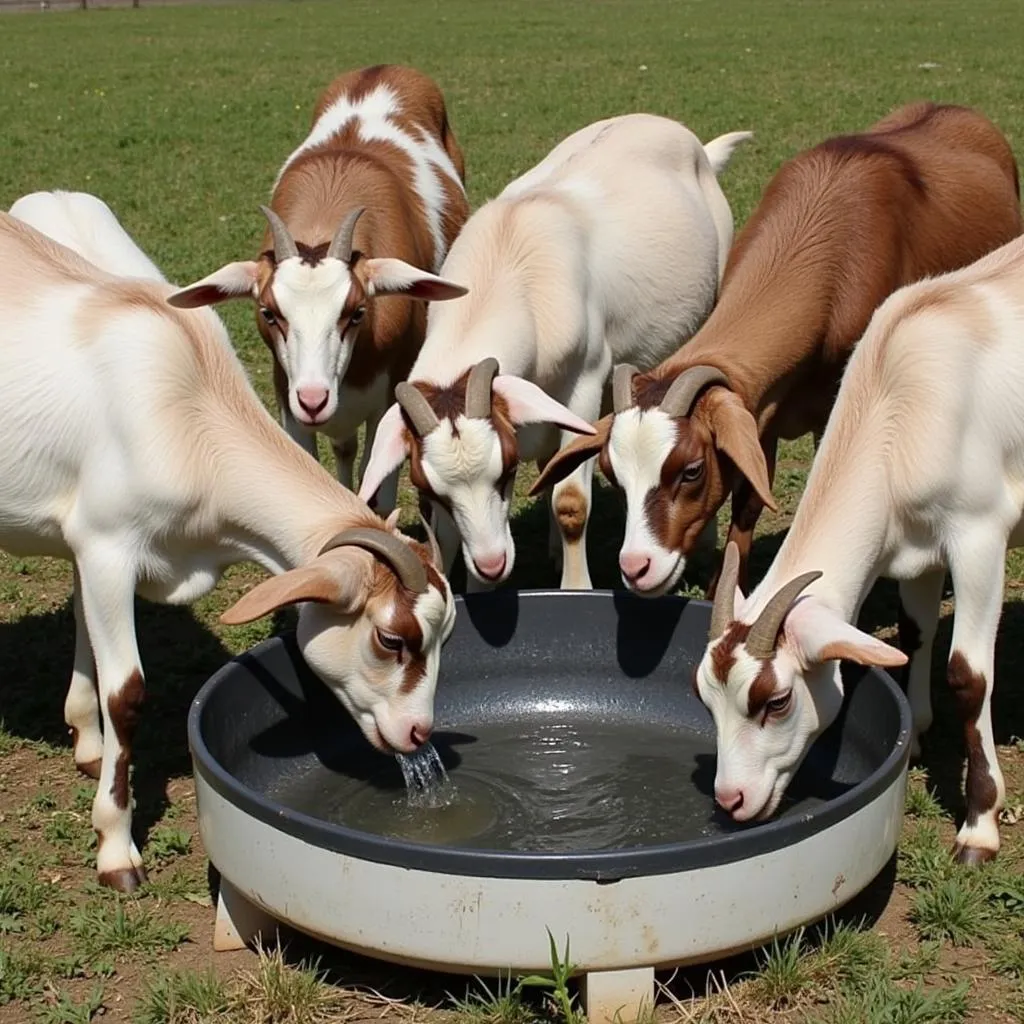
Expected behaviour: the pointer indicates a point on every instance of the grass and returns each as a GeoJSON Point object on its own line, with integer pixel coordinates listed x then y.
{"type": "Point", "coordinates": [179, 118]}
{"type": "Point", "coordinates": [123, 929]}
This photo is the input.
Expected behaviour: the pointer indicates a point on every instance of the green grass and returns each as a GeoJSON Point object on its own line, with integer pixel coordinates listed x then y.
{"type": "Point", "coordinates": [179, 117]}
{"type": "Point", "coordinates": [123, 929]}
{"type": "Point", "coordinates": [183, 997]}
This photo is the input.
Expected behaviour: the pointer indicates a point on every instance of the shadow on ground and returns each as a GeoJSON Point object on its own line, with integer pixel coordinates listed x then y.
{"type": "Point", "coordinates": [178, 656]}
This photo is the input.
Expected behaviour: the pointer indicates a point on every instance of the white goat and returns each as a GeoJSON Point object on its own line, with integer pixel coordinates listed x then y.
{"type": "Point", "coordinates": [611, 249]}
{"type": "Point", "coordinates": [145, 457]}
{"type": "Point", "coordinates": [86, 225]}
{"type": "Point", "coordinates": [921, 467]}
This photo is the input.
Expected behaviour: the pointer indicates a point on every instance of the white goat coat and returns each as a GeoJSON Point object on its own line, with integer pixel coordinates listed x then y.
{"type": "Point", "coordinates": [611, 249]}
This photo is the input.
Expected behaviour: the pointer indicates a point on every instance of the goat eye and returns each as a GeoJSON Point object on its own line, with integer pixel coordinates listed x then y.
{"type": "Point", "coordinates": [357, 316]}
{"type": "Point", "coordinates": [268, 316]}
{"type": "Point", "coordinates": [778, 705]}
{"type": "Point", "coordinates": [389, 641]}
{"type": "Point", "coordinates": [693, 471]}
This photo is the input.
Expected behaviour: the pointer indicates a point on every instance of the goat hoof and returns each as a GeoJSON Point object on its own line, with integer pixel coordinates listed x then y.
{"type": "Point", "coordinates": [973, 856]}
{"type": "Point", "coordinates": [125, 880]}
{"type": "Point", "coordinates": [91, 769]}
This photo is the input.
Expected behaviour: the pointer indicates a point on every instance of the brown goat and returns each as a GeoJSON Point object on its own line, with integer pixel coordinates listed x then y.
{"type": "Point", "coordinates": [370, 201]}
{"type": "Point", "coordinates": [928, 189]}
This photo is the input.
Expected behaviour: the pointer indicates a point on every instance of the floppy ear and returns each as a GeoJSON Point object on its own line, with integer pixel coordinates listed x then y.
{"type": "Point", "coordinates": [338, 582]}
{"type": "Point", "coordinates": [817, 634]}
{"type": "Point", "coordinates": [528, 403]}
{"type": "Point", "coordinates": [735, 433]}
{"type": "Point", "coordinates": [572, 456]}
{"type": "Point", "coordinates": [232, 281]}
{"type": "Point", "coordinates": [390, 449]}
{"type": "Point", "coordinates": [388, 276]}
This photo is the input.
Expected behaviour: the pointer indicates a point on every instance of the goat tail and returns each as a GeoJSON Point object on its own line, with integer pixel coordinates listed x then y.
{"type": "Point", "coordinates": [719, 151]}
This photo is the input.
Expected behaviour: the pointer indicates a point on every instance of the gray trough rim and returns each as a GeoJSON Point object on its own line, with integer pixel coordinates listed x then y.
{"type": "Point", "coordinates": [602, 866]}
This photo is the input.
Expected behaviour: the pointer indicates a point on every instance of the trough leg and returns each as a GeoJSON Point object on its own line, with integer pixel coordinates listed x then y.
{"type": "Point", "coordinates": [238, 922]}
{"type": "Point", "coordinates": [618, 997]}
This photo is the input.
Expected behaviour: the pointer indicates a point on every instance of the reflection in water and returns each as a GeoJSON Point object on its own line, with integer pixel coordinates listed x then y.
{"type": "Point", "coordinates": [544, 786]}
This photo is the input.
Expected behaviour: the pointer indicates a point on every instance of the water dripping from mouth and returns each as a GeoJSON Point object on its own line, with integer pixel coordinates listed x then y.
{"type": "Point", "coordinates": [427, 784]}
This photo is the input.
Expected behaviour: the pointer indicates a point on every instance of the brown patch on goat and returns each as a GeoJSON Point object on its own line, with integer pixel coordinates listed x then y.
{"type": "Point", "coordinates": [762, 689]}
{"type": "Point", "coordinates": [124, 708]}
{"type": "Point", "coordinates": [723, 654]}
{"type": "Point", "coordinates": [386, 587]}
{"type": "Point", "coordinates": [571, 513]}
{"type": "Point", "coordinates": [969, 688]}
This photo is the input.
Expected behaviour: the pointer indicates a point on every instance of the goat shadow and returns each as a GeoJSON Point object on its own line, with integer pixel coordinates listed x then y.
{"type": "Point", "coordinates": [178, 655]}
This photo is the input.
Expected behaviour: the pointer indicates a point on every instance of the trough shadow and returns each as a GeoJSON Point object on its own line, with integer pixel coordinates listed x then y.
{"type": "Point", "coordinates": [178, 655]}
{"type": "Point", "coordinates": [644, 631]}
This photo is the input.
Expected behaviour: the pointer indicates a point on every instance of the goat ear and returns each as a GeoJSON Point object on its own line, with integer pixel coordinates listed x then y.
{"type": "Point", "coordinates": [528, 403]}
{"type": "Point", "coordinates": [389, 451]}
{"type": "Point", "coordinates": [735, 432]}
{"type": "Point", "coordinates": [572, 456]}
{"type": "Point", "coordinates": [817, 634]}
{"type": "Point", "coordinates": [338, 583]}
{"type": "Point", "coordinates": [396, 277]}
{"type": "Point", "coordinates": [233, 281]}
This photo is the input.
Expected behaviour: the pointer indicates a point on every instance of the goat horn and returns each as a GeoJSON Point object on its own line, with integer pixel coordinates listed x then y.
{"type": "Point", "coordinates": [478, 388]}
{"type": "Point", "coordinates": [724, 609]}
{"type": "Point", "coordinates": [284, 244]}
{"type": "Point", "coordinates": [622, 387]}
{"type": "Point", "coordinates": [341, 244]}
{"type": "Point", "coordinates": [398, 555]}
{"type": "Point", "coordinates": [435, 548]}
{"type": "Point", "coordinates": [679, 398]}
{"type": "Point", "coordinates": [416, 407]}
{"type": "Point", "coordinates": [760, 641]}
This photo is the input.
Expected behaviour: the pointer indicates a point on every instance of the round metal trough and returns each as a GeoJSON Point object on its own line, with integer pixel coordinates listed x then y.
{"type": "Point", "coordinates": [264, 722]}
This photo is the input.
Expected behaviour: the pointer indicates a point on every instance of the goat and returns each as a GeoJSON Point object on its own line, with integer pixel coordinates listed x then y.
{"type": "Point", "coordinates": [841, 226]}
{"type": "Point", "coordinates": [920, 469]}
{"type": "Point", "coordinates": [136, 448]}
{"type": "Point", "coordinates": [87, 226]}
{"type": "Point", "coordinates": [375, 192]}
{"type": "Point", "coordinates": [611, 248]}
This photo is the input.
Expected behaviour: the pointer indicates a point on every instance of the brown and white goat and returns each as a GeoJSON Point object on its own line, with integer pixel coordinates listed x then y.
{"type": "Point", "coordinates": [920, 470]}
{"type": "Point", "coordinates": [927, 189]}
{"type": "Point", "coordinates": [370, 201]}
{"type": "Point", "coordinates": [135, 447]}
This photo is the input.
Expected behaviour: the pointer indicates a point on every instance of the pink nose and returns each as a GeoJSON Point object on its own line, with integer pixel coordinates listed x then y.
{"type": "Point", "coordinates": [420, 734]}
{"type": "Point", "coordinates": [729, 798]}
{"type": "Point", "coordinates": [312, 400]}
{"type": "Point", "coordinates": [634, 565]}
{"type": "Point", "coordinates": [490, 566]}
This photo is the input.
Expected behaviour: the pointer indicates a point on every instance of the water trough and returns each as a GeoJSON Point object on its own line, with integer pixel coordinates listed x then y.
{"type": "Point", "coordinates": [583, 767]}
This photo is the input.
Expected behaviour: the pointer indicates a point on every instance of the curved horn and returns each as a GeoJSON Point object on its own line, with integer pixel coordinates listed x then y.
{"type": "Point", "coordinates": [679, 398]}
{"type": "Point", "coordinates": [478, 388]}
{"type": "Point", "coordinates": [402, 559]}
{"type": "Point", "coordinates": [435, 548]}
{"type": "Point", "coordinates": [760, 642]}
{"type": "Point", "coordinates": [341, 244]}
{"type": "Point", "coordinates": [724, 609]}
{"type": "Point", "coordinates": [416, 407]}
{"type": "Point", "coordinates": [284, 244]}
{"type": "Point", "coordinates": [622, 387]}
